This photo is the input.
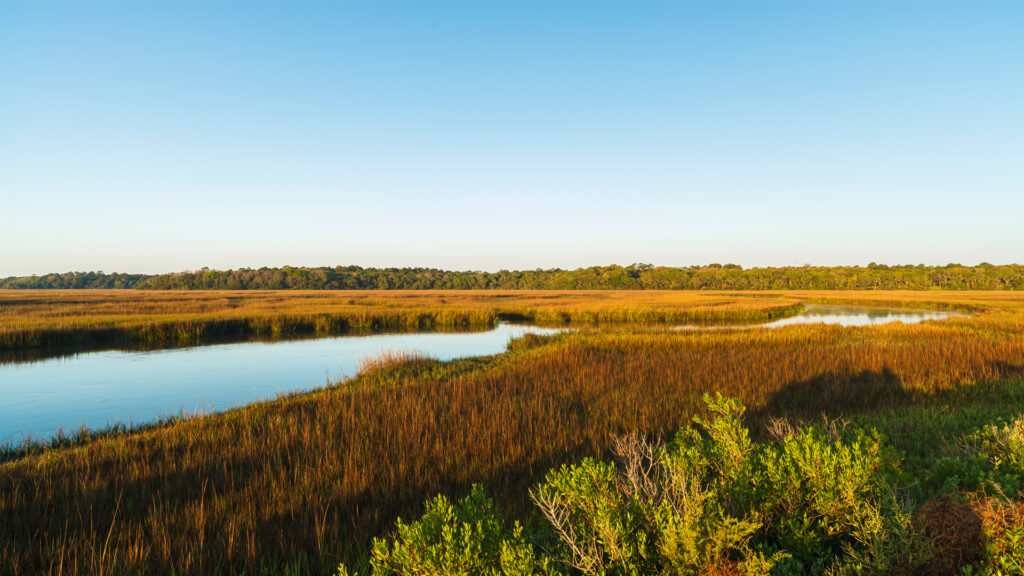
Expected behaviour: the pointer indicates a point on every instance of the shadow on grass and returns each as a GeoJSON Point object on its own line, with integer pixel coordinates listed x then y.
{"type": "Point", "coordinates": [834, 395]}
{"type": "Point", "coordinates": [837, 395]}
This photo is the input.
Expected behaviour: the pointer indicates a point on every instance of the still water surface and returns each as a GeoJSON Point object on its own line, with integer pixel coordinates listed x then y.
{"type": "Point", "coordinates": [852, 316]}
{"type": "Point", "coordinates": [102, 388]}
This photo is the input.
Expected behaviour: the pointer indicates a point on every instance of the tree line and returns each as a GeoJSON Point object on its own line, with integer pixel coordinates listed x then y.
{"type": "Point", "coordinates": [636, 276]}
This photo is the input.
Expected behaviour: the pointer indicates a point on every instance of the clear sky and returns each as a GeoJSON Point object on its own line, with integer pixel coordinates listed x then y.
{"type": "Point", "coordinates": [164, 136]}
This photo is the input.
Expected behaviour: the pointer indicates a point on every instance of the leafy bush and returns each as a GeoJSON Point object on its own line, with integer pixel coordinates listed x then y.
{"type": "Point", "coordinates": [462, 539]}
{"type": "Point", "coordinates": [817, 493]}
{"type": "Point", "coordinates": [1004, 447]}
{"type": "Point", "coordinates": [992, 456]}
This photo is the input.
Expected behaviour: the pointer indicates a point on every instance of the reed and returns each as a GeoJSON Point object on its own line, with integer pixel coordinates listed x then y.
{"type": "Point", "coordinates": [297, 484]}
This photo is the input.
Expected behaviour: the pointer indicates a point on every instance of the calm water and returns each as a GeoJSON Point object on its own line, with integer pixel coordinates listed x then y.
{"type": "Point", "coordinates": [102, 388]}
{"type": "Point", "coordinates": [851, 316]}
{"type": "Point", "coordinates": [843, 316]}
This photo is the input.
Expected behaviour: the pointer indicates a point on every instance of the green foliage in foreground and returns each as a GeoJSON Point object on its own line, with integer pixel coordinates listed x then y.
{"type": "Point", "coordinates": [825, 499]}
{"type": "Point", "coordinates": [636, 276]}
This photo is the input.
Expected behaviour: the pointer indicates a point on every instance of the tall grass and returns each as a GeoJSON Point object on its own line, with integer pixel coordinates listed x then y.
{"type": "Point", "coordinates": [305, 481]}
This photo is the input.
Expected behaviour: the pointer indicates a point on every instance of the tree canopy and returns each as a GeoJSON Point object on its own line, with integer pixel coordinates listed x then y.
{"type": "Point", "coordinates": [637, 276]}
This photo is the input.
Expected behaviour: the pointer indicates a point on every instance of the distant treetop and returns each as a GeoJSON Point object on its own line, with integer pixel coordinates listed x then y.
{"type": "Point", "coordinates": [984, 276]}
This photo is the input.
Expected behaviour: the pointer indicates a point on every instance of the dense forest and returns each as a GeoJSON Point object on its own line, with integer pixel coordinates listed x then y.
{"type": "Point", "coordinates": [637, 276]}
{"type": "Point", "coordinates": [75, 280]}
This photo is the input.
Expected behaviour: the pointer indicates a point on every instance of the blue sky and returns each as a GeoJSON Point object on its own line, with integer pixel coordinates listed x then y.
{"type": "Point", "coordinates": [163, 136]}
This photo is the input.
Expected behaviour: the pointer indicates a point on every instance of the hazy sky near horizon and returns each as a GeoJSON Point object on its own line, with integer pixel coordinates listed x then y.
{"type": "Point", "coordinates": [163, 136]}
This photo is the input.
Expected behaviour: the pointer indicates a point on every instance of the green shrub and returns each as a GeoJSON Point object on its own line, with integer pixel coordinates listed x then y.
{"type": "Point", "coordinates": [1004, 448]}
{"type": "Point", "coordinates": [666, 510]}
{"type": "Point", "coordinates": [991, 456]}
{"type": "Point", "coordinates": [816, 493]}
{"type": "Point", "coordinates": [599, 530]}
{"type": "Point", "coordinates": [462, 539]}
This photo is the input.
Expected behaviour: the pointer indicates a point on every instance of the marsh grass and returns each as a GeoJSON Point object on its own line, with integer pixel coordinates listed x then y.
{"type": "Point", "coordinates": [300, 483]}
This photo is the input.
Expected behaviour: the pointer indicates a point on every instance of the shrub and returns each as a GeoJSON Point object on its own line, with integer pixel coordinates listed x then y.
{"type": "Point", "coordinates": [667, 508]}
{"type": "Point", "coordinates": [462, 539]}
{"type": "Point", "coordinates": [816, 492]}
{"type": "Point", "coordinates": [991, 456]}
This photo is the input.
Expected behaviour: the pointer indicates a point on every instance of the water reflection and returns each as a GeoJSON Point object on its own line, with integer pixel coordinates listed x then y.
{"type": "Point", "coordinates": [851, 316]}
{"type": "Point", "coordinates": [841, 315]}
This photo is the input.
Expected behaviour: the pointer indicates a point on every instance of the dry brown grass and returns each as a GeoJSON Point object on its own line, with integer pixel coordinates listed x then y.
{"type": "Point", "coordinates": [954, 532]}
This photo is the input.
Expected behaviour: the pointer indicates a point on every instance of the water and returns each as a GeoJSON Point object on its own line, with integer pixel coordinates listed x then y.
{"type": "Point", "coordinates": [101, 388]}
{"type": "Point", "coordinates": [852, 316]}
{"type": "Point", "coordinates": [841, 315]}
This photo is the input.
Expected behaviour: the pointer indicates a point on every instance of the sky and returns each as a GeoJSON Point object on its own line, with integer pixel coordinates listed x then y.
{"type": "Point", "coordinates": [158, 136]}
